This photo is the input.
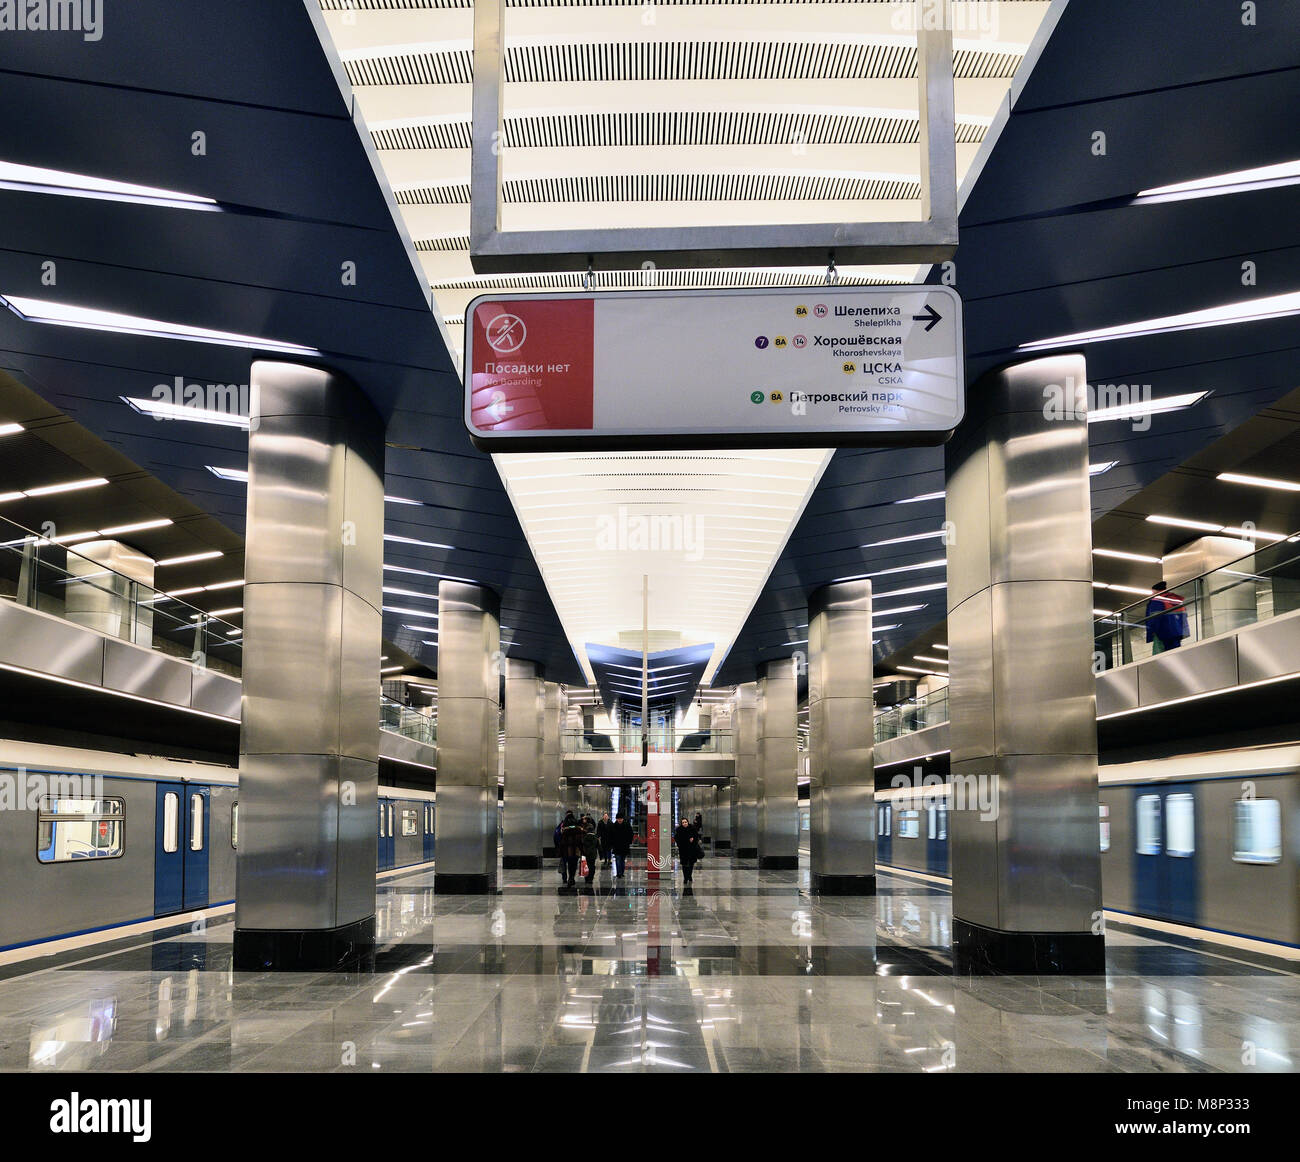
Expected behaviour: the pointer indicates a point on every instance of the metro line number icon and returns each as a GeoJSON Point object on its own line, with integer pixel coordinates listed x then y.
{"type": "Point", "coordinates": [506, 334]}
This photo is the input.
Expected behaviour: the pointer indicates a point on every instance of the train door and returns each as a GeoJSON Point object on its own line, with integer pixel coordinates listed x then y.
{"type": "Point", "coordinates": [936, 842]}
{"type": "Point", "coordinates": [1164, 827]}
{"type": "Point", "coordinates": [387, 844]}
{"type": "Point", "coordinates": [428, 831]}
{"type": "Point", "coordinates": [169, 858]}
{"type": "Point", "coordinates": [198, 802]}
{"type": "Point", "coordinates": [884, 832]}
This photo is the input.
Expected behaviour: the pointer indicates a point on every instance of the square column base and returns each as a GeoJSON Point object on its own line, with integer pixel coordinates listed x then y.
{"type": "Point", "coordinates": [979, 951]}
{"type": "Point", "coordinates": [746, 853]}
{"type": "Point", "coordinates": [519, 861]}
{"type": "Point", "coordinates": [841, 885]}
{"type": "Point", "coordinates": [466, 884]}
{"type": "Point", "coordinates": [351, 946]}
{"type": "Point", "coordinates": [779, 863]}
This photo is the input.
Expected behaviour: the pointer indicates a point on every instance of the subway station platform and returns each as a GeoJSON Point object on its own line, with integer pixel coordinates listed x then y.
{"type": "Point", "coordinates": [746, 972]}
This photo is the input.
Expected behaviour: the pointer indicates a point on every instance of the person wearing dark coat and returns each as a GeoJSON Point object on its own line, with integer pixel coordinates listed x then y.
{"type": "Point", "coordinates": [602, 838]}
{"type": "Point", "coordinates": [620, 843]}
{"type": "Point", "coordinates": [590, 848]}
{"type": "Point", "coordinates": [688, 848]}
{"type": "Point", "coordinates": [570, 848]}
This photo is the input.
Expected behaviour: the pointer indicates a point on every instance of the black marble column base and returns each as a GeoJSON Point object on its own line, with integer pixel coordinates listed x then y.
{"type": "Point", "coordinates": [746, 853]}
{"type": "Point", "coordinates": [842, 885]}
{"type": "Point", "coordinates": [520, 861]}
{"type": "Point", "coordinates": [462, 883]}
{"type": "Point", "coordinates": [722, 844]}
{"type": "Point", "coordinates": [980, 951]}
{"type": "Point", "coordinates": [779, 863]}
{"type": "Point", "coordinates": [351, 946]}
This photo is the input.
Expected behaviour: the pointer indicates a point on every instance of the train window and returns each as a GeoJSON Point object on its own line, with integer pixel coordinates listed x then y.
{"type": "Point", "coordinates": [1103, 813]}
{"type": "Point", "coordinates": [408, 821]}
{"type": "Point", "coordinates": [234, 824]}
{"type": "Point", "coordinates": [885, 820]}
{"type": "Point", "coordinates": [196, 822]}
{"type": "Point", "coordinates": [1180, 825]}
{"type": "Point", "coordinates": [70, 829]}
{"type": "Point", "coordinates": [391, 818]}
{"type": "Point", "coordinates": [171, 822]}
{"type": "Point", "coordinates": [1257, 831]}
{"type": "Point", "coordinates": [943, 822]}
{"type": "Point", "coordinates": [932, 822]}
{"type": "Point", "coordinates": [1148, 825]}
{"type": "Point", "coordinates": [382, 832]}
{"type": "Point", "coordinates": [909, 824]}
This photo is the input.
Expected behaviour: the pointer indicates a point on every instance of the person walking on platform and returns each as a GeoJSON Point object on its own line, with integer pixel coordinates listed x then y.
{"type": "Point", "coordinates": [590, 848]}
{"type": "Point", "coordinates": [689, 850]}
{"type": "Point", "coordinates": [620, 843]}
{"type": "Point", "coordinates": [1166, 619]}
{"type": "Point", "coordinates": [602, 838]}
{"type": "Point", "coordinates": [698, 824]}
{"type": "Point", "coordinates": [570, 848]}
{"type": "Point", "coordinates": [555, 843]}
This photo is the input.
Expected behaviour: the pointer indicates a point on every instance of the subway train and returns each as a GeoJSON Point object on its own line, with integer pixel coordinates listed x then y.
{"type": "Point", "coordinates": [94, 841]}
{"type": "Point", "coordinates": [1210, 841]}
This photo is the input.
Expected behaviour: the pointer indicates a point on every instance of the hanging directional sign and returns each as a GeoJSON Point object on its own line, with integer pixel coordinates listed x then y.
{"type": "Point", "coordinates": [821, 366]}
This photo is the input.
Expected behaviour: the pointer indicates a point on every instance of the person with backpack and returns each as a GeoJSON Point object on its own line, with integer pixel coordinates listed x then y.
{"type": "Point", "coordinates": [569, 845]}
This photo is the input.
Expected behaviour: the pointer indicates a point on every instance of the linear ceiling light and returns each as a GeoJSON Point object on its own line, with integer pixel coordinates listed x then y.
{"type": "Point", "coordinates": [924, 496]}
{"type": "Point", "coordinates": [239, 474]}
{"type": "Point", "coordinates": [51, 489]}
{"type": "Point", "coordinates": [414, 541]}
{"type": "Point", "coordinates": [927, 658]}
{"type": "Point", "coordinates": [1259, 481]}
{"type": "Point", "coordinates": [1099, 469]}
{"type": "Point", "coordinates": [402, 609]}
{"type": "Point", "coordinates": [10, 429]}
{"type": "Point", "coordinates": [875, 613]}
{"type": "Point", "coordinates": [33, 179]}
{"type": "Point", "coordinates": [1206, 527]}
{"type": "Point", "coordinates": [1240, 181]}
{"type": "Point", "coordinates": [937, 563]}
{"type": "Point", "coordinates": [391, 669]}
{"type": "Point", "coordinates": [1126, 556]}
{"type": "Point", "coordinates": [940, 646]}
{"type": "Point", "coordinates": [138, 527]}
{"type": "Point", "coordinates": [190, 558]}
{"type": "Point", "coordinates": [914, 589]}
{"type": "Point", "coordinates": [1243, 311]}
{"type": "Point", "coordinates": [1151, 407]}
{"type": "Point", "coordinates": [161, 410]}
{"type": "Point", "coordinates": [905, 540]}
{"type": "Point", "coordinates": [919, 670]}
{"type": "Point", "coordinates": [1121, 588]}
{"type": "Point", "coordinates": [410, 593]}
{"type": "Point", "coordinates": [87, 318]}
{"type": "Point", "coordinates": [402, 500]}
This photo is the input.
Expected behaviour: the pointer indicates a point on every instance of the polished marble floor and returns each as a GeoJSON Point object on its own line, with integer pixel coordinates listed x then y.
{"type": "Point", "coordinates": [749, 972]}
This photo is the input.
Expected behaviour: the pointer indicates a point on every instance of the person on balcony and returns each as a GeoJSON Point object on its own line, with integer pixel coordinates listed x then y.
{"type": "Point", "coordinates": [1166, 619]}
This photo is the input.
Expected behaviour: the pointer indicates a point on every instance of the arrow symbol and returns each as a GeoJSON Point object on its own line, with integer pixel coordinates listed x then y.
{"type": "Point", "coordinates": [933, 316]}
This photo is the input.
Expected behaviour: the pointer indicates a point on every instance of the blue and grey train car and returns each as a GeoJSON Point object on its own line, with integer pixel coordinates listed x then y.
{"type": "Point", "coordinates": [93, 842]}
{"type": "Point", "coordinates": [1210, 841]}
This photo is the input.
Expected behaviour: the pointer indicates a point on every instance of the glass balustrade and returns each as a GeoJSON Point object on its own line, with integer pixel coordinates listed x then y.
{"type": "Point", "coordinates": [661, 741]}
{"type": "Point", "coordinates": [916, 714]}
{"type": "Point", "coordinates": [408, 721]}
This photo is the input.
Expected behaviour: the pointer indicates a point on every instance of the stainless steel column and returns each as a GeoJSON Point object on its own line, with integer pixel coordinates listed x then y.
{"type": "Point", "coordinates": [552, 765]}
{"type": "Point", "coordinates": [778, 757]}
{"type": "Point", "coordinates": [309, 735]}
{"type": "Point", "coordinates": [745, 728]}
{"type": "Point", "coordinates": [1023, 821]}
{"type": "Point", "coordinates": [842, 771]}
{"type": "Point", "coordinates": [525, 707]}
{"type": "Point", "coordinates": [469, 710]}
{"type": "Point", "coordinates": [722, 818]}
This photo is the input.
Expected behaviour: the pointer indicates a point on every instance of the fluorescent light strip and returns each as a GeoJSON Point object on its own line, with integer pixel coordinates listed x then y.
{"type": "Point", "coordinates": [157, 409]}
{"type": "Point", "coordinates": [51, 489]}
{"type": "Point", "coordinates": [414, 541]}
{"type": "Point", "coordinates": [1206, 527]}
{"type": "Point", "coordinates": [924, 496]}
{"type": "Point", "coordinates": [392, 669]}
{"type": "Point", "coordinates": [1242, 311]}
{"type": "Point", "coordinates": [138, 527]}
{"type": "Point", "coordinates": [211, 555]}
{"type": "Point", "coordinates": [918, 670]}
{"type": "Point", "coordinates": [33, 179]}
{"type": "Point", "coordinates": [423, 628]}
{"type": "Point", "coordinates": [224, 585]}
{"type": "Point", "coordinates": [1152, 407]}
{"type": "Point", "coordinates": [410, 612]}
{"type": "Point", "coordinates": [1259, 481]}
{"type": "Point", "coordinates": [925, 658]}
{"type": "Point", "coordinates": [10, 429]}
{"type": "Point", "coordinates": [410, 593]}
{"type": "Point", "coordinates": [1099, 469]}
{"type": "Point", "coordinates": [940, 646]}
{"type": "Point", "coordinates": [937, 563]}
{"type": "Point", "coordinates": [1261, 177]}
{"type": "Point", "coordinates": [914, 589]}
{"type": "Point", "coordinates": [89, 319]}
{"type": "Point", "coordinates": [898, 609]}
{"type": "Point", "coordinates": [237, 474]}
{"type": "Point", "coordinates": [402, 500]}
{"type": "Point", "coordinates": [904, 540]}
{"type": "Point", "coordinates": [1121, 588]}
{"type": "Point", "coordinates": [1126, 556]}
